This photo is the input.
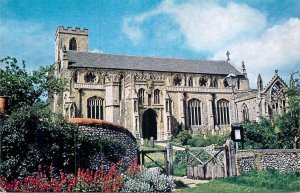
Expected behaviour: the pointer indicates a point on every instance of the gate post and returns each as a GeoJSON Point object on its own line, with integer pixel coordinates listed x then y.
{"type": "Point", "coordinates": [143, 157]}
{"type": "Point", "coordinates": [170, 169]}
{"type": "Point", "coordinates": [231, 158]}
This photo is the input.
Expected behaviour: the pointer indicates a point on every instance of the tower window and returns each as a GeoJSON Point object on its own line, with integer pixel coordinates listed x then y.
{"type": "Point", "coordinates": [194, 111]}
{"type": "Point", "coordinates": [223, 112]}
{"type": "Point", "coordinates": [95, 108]}
{"type": "Point", "coordinates": [73, 44]}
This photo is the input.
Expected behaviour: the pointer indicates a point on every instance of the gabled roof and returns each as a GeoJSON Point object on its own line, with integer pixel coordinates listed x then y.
{"type": "Point", "coordinates": [110, 61]}
{"type": "Point", "coordinates": [273, 80]}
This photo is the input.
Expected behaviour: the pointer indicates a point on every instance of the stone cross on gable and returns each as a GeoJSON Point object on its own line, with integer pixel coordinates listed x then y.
{"type": "Point", "coordinates": [227, 54]}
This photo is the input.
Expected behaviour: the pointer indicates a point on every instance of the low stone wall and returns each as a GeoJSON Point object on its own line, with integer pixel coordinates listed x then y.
{"type": "Point", "coordinates": [112, 132]}
{"type": "Point", "coordinates": [278, 159]}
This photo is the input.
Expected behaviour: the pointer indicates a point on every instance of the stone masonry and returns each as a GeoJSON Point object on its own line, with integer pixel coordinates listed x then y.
{"type": "Point", "coordinates": [153, 97]}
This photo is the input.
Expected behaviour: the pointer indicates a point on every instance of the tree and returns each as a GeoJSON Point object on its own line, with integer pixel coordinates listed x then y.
{"type": "Point", "coordinates": [281, 131]}
{"type": "Point", "coordinates": [32, 135]}
{"type": "Point", "coordinates": [23, 87]}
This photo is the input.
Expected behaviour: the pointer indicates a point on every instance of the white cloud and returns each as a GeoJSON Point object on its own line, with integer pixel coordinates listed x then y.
{"type": "Point", "coordinates": [96, 51]}
{"type": "Point", "coordinates": [27, 41]}
{"type": "Point", "coordinates": [210, 27]}
{"type": "Point", "coordinates": [277, 47]}
{"type": "Point", "coordinates": [132, 30]}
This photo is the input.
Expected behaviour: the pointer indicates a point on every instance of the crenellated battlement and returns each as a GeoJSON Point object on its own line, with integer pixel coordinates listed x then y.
{"type": "Point", "coordinates": [70, 30]}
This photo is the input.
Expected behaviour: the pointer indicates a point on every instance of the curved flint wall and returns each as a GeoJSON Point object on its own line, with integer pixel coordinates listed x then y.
{"type": "Point", "coordinates": [108, 130]}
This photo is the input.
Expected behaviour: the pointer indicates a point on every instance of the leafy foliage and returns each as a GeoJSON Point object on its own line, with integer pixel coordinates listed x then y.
{"type": "Point", "coordinates": [85, 181]}
{"type": "Point", "coordinates": [23, 87]}
{"type": "Point", "coordinates": [149, 181]}
{"type": "Point", "coordinates": [184, 138]}
{"type": "Point", "coordinates": [281, 131]}
{"type": "Point", "coordinates": [31, 135]}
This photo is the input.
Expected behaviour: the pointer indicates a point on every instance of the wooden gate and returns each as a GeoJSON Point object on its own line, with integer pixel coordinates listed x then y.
{"type": "Point", "coordinates": [167, 168]}
{"type": "Point", "coordinates": [210, 162]}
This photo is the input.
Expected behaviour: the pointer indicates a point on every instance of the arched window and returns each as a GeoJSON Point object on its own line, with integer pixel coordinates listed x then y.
{"type": "Point", "coordinates": [90, 77]}
{"type": "Point", "coordinates": [277, 97]}
{"type": "Point", "coordinates": [214, 82]}
{"type": "Point", "coordinates": [190, 82]}
{"type": "Point", "coordinates": [141, 96]}
{"type": "Point", "coordinates": [245, 113]}
{"type": "Point", "coordinates": [95, 108]}
{"type": "Point", "coordinates": [194, 111]}
{"type": "Point", "coordinates": [73, 111]}
{"type": "Point", "coordinates": [223, 112]}
{"type": "Point", "coordinates": [177, 80]}
{"type": "Point", "coordinates": [105, 77]}
{"type": "Point", "coordinates": [225, 83]}
{"type": "Point", "coordinates": [202, 81]}
{"type": "Point", "coordinates": [75, 76]}
{"type": "Point", "coordinates": [73, 44]}
{"type": "Point", "coordinates": [156, 96]}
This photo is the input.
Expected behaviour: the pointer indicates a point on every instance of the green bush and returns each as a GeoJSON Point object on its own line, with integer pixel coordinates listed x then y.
{"type": "Point", "coordinates": [149, 181]}
{"type": "Point", "coordinates": [33, 137]}
{"type": "Point", "coordinates": [183, 137]}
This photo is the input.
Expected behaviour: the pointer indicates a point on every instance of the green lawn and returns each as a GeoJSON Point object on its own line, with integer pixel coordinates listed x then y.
{"type": "Point", "coordinates": [262, 181]}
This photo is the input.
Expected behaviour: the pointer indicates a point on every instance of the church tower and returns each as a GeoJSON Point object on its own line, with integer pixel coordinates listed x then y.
{"type": "Point", "coordinates": [66, 39]}
{"type": "Point", "coordinates": [70, 39]}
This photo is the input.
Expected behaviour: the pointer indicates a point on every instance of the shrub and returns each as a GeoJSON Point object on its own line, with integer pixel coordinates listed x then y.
{"type": "Point", "coordinates": [183, 137]}
{"type": "Point", "coordinates": [203, 141]}
{"type": "Point", "coordinates": [34, 136]}
{"type": "Point", "coordinates": [149, 181]}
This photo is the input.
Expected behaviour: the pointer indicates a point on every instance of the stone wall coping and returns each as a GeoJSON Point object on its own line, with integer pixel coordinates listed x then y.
{"type": "Point", "coordinates": [267, 151]}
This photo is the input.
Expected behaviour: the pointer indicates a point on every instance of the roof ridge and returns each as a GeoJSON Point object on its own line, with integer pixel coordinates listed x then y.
{"type": "Point", "coordinates": [155, 57]}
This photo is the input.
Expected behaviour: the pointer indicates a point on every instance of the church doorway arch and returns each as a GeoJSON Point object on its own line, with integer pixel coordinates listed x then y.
{"type": "Point", "coordinates": [149, 124]}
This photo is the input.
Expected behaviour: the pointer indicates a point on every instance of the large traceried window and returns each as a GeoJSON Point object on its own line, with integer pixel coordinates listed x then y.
{"type": "Point", "coordinates": [95, 108]}
{"type": "Point", "coordinates": [73, 44]}
{"type": "Point", "coordinates": [223, 112]}
{"type": "Point", "coordinates": [141, 94]}
{"type": "Point", "coordinates": [156, 96]}
{"type": "Point", "coordinates": [195, 112]}
{"type": "Point", "coordinates": [245, 113]}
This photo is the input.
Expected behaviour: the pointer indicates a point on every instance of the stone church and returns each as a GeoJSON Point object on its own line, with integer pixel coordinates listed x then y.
{"type": "Point", "coordinates": [153, 97]}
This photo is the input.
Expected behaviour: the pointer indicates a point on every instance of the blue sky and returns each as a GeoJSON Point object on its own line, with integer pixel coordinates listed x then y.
{"type": "Point", "coordinates": [264, 34]}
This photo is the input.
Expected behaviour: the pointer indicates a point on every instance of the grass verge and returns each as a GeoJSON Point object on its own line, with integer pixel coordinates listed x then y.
{"type": "Point", "coordinates": [254, 181]}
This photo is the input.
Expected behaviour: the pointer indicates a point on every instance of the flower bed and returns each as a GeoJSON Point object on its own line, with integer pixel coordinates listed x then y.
{"type": "Point", "coordinates": [130, 178]}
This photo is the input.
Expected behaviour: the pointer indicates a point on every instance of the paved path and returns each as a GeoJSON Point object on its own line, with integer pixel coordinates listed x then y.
{"type": "Point", "coordinates": [190, 182]}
